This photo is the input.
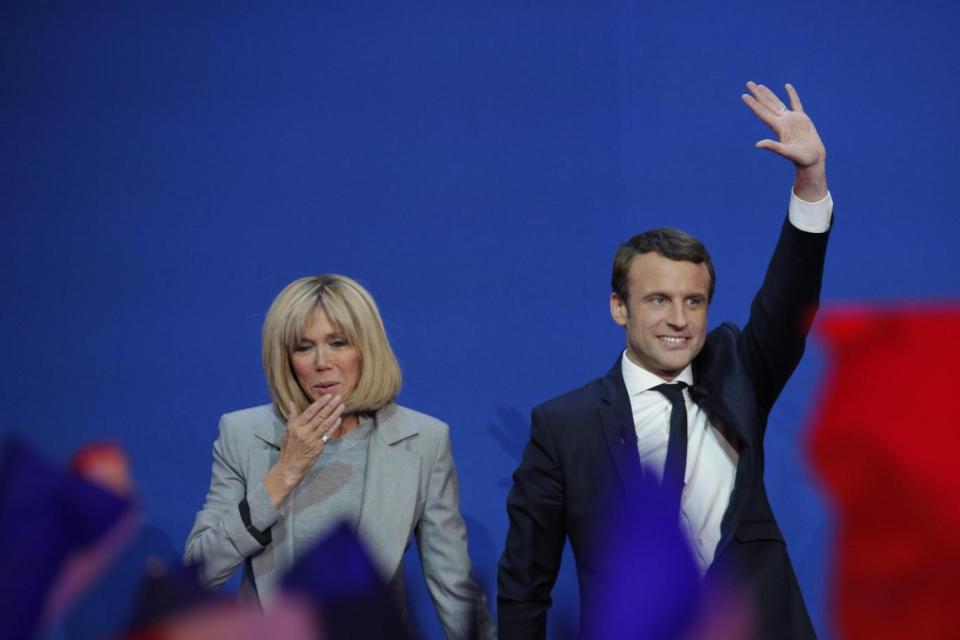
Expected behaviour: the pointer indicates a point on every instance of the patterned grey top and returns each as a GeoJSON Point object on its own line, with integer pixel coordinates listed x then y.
{"type": "Point", "coordinates": [332, 491]}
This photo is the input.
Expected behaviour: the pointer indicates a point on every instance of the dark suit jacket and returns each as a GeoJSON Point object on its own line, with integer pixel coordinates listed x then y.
{"type": "Point", "coordinates": [583, 443]}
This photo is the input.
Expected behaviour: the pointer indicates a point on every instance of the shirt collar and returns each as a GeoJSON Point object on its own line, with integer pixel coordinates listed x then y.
{"type": "Point", "coordinates": [637, 379]}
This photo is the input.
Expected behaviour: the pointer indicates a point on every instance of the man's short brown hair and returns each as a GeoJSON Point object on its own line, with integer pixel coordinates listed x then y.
{"type": "Point", "coordinates": [666, 241]}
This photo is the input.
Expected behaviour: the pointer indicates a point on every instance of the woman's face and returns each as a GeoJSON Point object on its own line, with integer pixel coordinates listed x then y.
{"type": "Point", "coordinates": [324, 362]}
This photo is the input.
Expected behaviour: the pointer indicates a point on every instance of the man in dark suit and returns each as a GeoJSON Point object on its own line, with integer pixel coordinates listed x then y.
{"type": "Point", "coordinates": [681, 406]}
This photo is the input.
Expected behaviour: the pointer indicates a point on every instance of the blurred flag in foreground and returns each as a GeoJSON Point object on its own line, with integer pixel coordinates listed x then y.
{"type": "Point", "coordinates": [235, 620]}
{"type": "Point", "coordinates": [332, 593]}
{"type": "Point", "coordinates": [885, 445]}
{"type": "Point", "coordinates": [47, 517]}
{"type": "Point", "coordinates": [338, 579]}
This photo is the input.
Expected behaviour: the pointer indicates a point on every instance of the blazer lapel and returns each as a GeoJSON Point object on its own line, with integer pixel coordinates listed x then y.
{"type": "Point", "coordinates": [272, 432]}
{"type": "Point", "coordinates": [390, 491]}
{"type": "Point", "coordinates": [719, 396]}
{"type": "Point", "coordinates": [280, 553]}
{"type": "Point", "coordinates": [617, 419]}
{"type": "Point", "coordinates": [718, 392]}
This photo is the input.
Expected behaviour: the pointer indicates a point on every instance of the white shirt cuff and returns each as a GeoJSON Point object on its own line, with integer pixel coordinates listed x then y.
{"type": "Point", "coordinates": [812, 217]}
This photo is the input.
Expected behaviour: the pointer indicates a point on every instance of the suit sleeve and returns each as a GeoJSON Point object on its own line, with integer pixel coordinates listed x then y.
{"type": "Point", "coordinates": [219, 542]}
{"type": "Point", "coordinates": [535, 539]}
{"type": "Point", "coordinates": [442, 541]}
{"type": "Point", "coordinates": [774, 337]}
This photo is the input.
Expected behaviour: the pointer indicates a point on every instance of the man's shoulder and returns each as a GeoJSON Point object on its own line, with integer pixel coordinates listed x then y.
{"type": "Point", "coordinates": [724, 332]}
{"type": "Point", "coordinates": [718, 350]}
{"type": "Point", "coordinates": [573, 405]}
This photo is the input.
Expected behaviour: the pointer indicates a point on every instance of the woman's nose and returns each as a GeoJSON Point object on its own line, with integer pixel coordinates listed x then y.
{"type": "Point", "coordinates": [321, 359]}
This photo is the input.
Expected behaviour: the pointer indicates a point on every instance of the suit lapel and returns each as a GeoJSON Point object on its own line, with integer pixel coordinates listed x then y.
{"type": "Point", "coordinates": [722, 414]}
{"type": "Point", "coordinates": [718, 392]}
{"type": "Point", "coordinates": [280, 554]}
{"type": "Point", "coordinates": [391, 487]}
{"type": "Point", "coordinates": [271, 432]}
{"type": "Point", "coordinates": [617, 419]}
{"type": "Point", "coordinates": [719, 395]}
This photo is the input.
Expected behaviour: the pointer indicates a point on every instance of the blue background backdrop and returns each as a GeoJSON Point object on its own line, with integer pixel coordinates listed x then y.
{"type": "Point", "coordinates": [167, 167]}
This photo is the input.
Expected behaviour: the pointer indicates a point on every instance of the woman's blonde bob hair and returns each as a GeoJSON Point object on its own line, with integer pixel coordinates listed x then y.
{"type": "Point", "coordinates": [351, 309]}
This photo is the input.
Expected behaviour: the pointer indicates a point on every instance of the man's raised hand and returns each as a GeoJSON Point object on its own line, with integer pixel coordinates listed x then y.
{"type": "Point", "coordinates": [799, 140]}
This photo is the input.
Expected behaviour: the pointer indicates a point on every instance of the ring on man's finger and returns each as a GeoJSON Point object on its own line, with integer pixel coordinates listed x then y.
{"type": "Point", "coordinates": [324, 438]}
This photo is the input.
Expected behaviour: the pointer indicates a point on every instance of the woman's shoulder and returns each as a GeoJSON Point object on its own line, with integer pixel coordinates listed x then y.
{"type": "Point", "coordinates": [251, 421]}
{"type": "Point", "coordinates": [397, 414]}
{"type": "Point", "coordinates": [259, 413]}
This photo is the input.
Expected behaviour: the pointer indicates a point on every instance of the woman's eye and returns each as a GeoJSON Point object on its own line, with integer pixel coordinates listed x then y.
{"type": "Point", "coordinates": [300, 348]}
{"type": "Point", "coordinates": [338, 343]}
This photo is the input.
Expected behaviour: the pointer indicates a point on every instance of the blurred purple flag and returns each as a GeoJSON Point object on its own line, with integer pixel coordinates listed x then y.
{"type": "Point", "coordinates": [339, 579]}
{"type": "Point", "coordinates": [46, 514]}
{"type": "Point", "coordinates": [650, 585]}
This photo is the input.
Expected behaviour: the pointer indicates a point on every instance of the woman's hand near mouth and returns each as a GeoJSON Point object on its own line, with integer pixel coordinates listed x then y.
{"type": "Point", "coordinates": [303, 442]}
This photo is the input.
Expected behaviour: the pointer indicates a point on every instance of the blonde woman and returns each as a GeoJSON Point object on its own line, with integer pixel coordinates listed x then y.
{"type": "Point", "coordinates": [333, 446]}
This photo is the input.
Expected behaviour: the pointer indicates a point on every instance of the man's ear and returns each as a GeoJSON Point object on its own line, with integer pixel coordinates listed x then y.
{"type": "Point", "coordinates": [618, 310]}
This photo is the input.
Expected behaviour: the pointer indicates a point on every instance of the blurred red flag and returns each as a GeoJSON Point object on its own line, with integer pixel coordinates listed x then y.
{"type": "Point", "coordinates": [886, 448]}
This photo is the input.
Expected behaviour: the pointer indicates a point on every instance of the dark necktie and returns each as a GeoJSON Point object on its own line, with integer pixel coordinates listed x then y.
{"type": "Point", "coordinates": [676, 464]}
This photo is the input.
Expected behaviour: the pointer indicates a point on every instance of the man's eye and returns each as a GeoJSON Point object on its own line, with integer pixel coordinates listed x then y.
{"type": "Point", "coordinates": [694, 302]}
{"type": "Point", "coordinates": [658, 300]}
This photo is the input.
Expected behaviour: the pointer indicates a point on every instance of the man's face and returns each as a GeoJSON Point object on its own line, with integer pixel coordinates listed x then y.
{"type": "Point", "coordinates": [665, 316]}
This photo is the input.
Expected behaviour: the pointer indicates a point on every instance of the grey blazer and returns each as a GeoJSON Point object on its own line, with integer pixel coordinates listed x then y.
{"type": "Point", "coordinates": [410, 487]}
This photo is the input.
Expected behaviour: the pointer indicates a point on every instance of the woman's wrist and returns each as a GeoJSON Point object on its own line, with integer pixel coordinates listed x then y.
{"type": "Point", "coordinates": [279, 483]}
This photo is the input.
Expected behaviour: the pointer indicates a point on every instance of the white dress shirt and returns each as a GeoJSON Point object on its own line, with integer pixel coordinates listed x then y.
{"type": "Point", "coordinates": [711, 459]}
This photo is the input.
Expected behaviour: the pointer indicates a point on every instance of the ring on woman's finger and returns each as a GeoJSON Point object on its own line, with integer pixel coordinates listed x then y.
{"type": "Point", "coordinates": [324, 438]}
